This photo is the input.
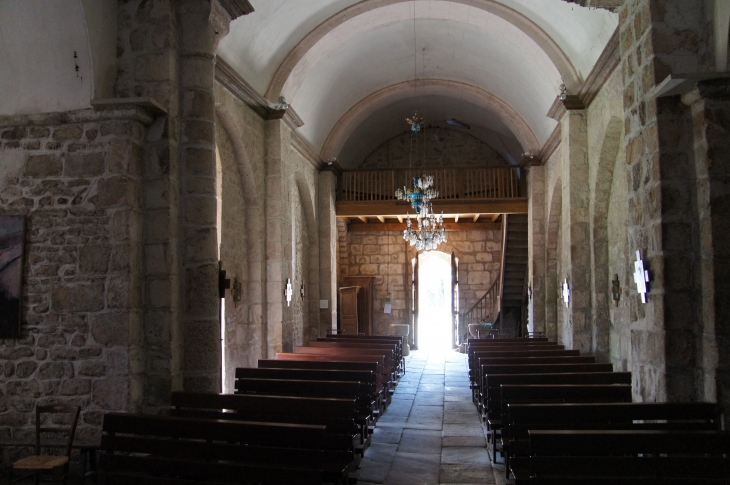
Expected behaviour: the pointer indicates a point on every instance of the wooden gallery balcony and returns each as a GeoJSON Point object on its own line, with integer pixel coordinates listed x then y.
{"type": "Point", "coordinates": [469, 197]}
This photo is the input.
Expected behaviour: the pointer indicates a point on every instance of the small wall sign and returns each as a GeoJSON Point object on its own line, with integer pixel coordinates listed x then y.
{"type": "Point", "coordinates": [566, 292]}
{"type": "Point", "coordinates": [641, 277]}
{"type": "Point", "coordinates": [288, 292]}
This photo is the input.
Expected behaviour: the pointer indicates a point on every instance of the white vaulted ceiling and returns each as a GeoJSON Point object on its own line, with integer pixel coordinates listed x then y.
{"type": "Point", "coordinates": [494, 64]}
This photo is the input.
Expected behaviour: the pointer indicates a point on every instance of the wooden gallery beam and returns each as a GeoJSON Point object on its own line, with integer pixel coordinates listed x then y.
{"type": "Point", "coordinates": [449, 226]}
{"type": "Point", "coordinates": [450, 208]}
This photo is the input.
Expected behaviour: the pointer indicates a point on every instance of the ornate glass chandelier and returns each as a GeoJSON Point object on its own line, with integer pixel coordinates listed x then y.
{"type": "Point", "coordinates": [429, 231]}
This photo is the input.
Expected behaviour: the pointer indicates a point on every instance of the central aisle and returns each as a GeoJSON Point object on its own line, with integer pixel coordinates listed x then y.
{"type": "Point", "coordinates": [431, 432]}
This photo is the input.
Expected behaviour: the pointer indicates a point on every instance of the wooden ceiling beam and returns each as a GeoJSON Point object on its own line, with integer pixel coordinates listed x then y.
{"type": "Point", "coordinates": [449, 226]}
{"type": "Point", "coordinates": [363, 219]}
{"type": "Point", "coordinates": [450, 208]}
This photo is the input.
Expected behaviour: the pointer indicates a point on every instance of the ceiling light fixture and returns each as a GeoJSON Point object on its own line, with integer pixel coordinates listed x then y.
{"type": "Point", "coordinates": [429, 231]}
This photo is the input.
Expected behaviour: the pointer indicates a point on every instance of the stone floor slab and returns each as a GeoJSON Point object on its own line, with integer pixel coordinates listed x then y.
{"type": "Point", "coordinates": [458, 474]}
{"type": "Point", "coordinates": [478, 456]}
{"type": "Point", "coordinates": [420, 441]}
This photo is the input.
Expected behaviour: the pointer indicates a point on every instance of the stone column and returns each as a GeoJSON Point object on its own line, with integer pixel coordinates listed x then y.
{"type": "Point", "coordinates": [201, 26]}
{"type": "Point", "coordinates": [327, 250]}
{"type": "Point", "coordinates": [710, 103]}
{"type": "Point", "coordinates": [659, 39]}
{"type": "Point", "coordinates": [148, 67]}
{"type": "Point", "coordinates": [536, 247]}
{"type": "Point", "coordinates": [278, 236]}
{"type": "Point", "coordinates": [575, 230]}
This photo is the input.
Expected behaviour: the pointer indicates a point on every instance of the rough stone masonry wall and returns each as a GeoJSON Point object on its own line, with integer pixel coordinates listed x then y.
{"type": "Point", "coordinates": [659, 38]}
{"type": "Point", "coordinates": [78, 178]}
{"type": "Point", "coordinates": [443, 148]}
{"type": "Point", "coordinates": [387, 257]}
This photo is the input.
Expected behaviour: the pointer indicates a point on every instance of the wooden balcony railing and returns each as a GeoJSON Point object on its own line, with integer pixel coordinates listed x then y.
{"type": "Point", "coordinates": [452, 183]}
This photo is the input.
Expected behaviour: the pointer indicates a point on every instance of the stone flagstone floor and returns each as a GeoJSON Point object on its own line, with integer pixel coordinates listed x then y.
{"type": "Point", "coordinates": [431, 432]}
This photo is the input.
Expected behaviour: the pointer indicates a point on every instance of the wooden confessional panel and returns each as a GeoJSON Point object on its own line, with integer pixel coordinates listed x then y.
{"type": "Point", "coordinates": [365, 301]}
{"type": "Point", "coordinates": [349, 309]}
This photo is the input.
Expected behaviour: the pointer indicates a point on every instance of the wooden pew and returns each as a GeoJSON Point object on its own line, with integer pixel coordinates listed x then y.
{"type": "Point", "coordinates": [525, 340]}
{"type": "Point", "coordinates": [494, 424]}
{"type": "Point", "coordinates": [349, 344]}
{"type": "Point", "coordinates": [388, 356]}
{"type": "Point", "coordinates": [143, 449]}
{"type": "Point", "coordinates": [370, 382]}
{"type": "Point", "coordinates": [398, 340]}
{"type": "Point", "coordinates": [551, 393]}
{"type": "Point", "coordinates": [338, 415]}
{"type": "Point", "coordinates": [537, 351]}
{"type": "Point", "coordinates": [326, 359]}
{"type": "Point", "coordinates": [492, 382]}
{"type": "Point", "coordinates": [525, 359]}
{"type": "Point", "coordinates": [629, 456]}
{"type": "Point", "coordinates": [521, 418]}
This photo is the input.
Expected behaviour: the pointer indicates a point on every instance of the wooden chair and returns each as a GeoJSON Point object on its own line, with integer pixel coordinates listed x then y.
{"type": "Point", "coordinates": [56, 466]}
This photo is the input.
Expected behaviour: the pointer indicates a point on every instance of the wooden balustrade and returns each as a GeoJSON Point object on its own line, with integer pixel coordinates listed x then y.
{"type": "Point", "coordinates": [452, 183]}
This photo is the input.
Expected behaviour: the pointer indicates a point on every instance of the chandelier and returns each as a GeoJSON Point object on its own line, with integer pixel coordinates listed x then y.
{"type": "Point", "coordinates": [429, 231]}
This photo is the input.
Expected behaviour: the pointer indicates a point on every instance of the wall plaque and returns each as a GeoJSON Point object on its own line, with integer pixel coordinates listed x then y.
{"type": "Point", "coordinates": [12, 231]}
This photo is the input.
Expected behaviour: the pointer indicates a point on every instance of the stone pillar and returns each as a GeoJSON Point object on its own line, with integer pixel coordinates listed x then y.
{"type": "Point", "coordinates": [659, 39]}
{"type": "Point", "coordinates": [201, 26]}
{"type": "Point", "coordinates": [575, 231]}
{"type": "Point", "coordinates": [327, 251]}
{"type": "Point", "coordinates": [536, 247]}
{"type": "Point", "coordinates": [278, 237]}
{"type": "Point", "coordinates": [147, 68]}
{"type": "Point", "coordinates": [710, 103]}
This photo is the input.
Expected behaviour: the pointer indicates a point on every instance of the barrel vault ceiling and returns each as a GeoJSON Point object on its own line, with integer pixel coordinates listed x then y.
{"type": "Point", "coordinates": [354, 69]}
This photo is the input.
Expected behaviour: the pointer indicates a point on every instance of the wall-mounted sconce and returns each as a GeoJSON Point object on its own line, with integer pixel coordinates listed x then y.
{"type": "Point", "coordinates": [301, 290]}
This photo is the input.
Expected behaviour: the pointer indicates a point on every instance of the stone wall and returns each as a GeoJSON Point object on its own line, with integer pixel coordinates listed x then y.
{"type": "Point", "coordinates": [444, 147]}
{"type": "Point", "coordinates": [78, 178]}
{"type": "Point", "coordinates": [387, 257]}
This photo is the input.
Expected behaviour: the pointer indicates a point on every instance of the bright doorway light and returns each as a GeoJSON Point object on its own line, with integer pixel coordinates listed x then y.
{"type": "Point", "coordinates": [434, 301]}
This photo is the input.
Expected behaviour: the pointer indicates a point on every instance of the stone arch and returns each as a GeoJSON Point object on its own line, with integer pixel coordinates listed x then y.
{"type": "Point", "coordinates": [253, 294]}
{"type": "Point", "coordinates": [312, 279]}
{"type": "Point", "coordinates": [562, 63]}
{"type": "Point", "coordinates": [600, 294]}
{"type": "Point", "coordinates": [552, 286]}
{"type": "Point", "coordinates": [495, 106]}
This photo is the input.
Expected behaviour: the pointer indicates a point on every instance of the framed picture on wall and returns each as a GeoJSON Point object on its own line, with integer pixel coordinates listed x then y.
{"type": "Point", "coordinates": [12, 231]}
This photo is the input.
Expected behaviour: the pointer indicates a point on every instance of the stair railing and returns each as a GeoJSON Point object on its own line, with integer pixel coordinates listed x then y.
{"type": "Point", "coordinates": [505, 222]}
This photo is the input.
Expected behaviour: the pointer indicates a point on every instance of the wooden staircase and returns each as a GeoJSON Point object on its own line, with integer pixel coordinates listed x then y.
{"type": "Point", "coordinates": [503, 301]}
{"type": "Point", "coordinates": [514, 267]}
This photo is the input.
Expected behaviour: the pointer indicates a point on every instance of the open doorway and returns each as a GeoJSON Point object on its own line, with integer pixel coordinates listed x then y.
{"type": "Point", "coordinates": [434, 302]}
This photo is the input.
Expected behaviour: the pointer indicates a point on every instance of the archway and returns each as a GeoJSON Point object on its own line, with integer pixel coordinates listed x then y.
{"type": "Point", "coordinates": [600, 201]}
{"type": "Point", "coordinates": [434, 301]}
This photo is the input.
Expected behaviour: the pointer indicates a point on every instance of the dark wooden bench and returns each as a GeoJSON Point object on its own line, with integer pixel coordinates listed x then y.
{"type": "Point", "coordinates": [338, 415]}
{"type": "Point", "coordinates": [506, 352]}
{"type": "Point", "coordinates": [526, 340]}
{"type": "Point", "coordinates": [142, 449]}
{"type": "Point", "coordinates": [348, 344]}
{"type": "Point", "coordinates": [398, 341]}
{"type": "Point", "coordinates": [525, 360]}
{"type": "Point", "coordinates": [549, 393]}
{"type": "Point", "coordinates": [509, 369]}
{"type": "Point", "coordinates": [339, 360]}
{"type": "Point", "coordinates": [627, 456]}
{"type": "Point", "coordinates": [492, 382]}
{"type": "Point", "coordinates": [521, 418]}
{"type": "Point", "coordinates": [335, 353]}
